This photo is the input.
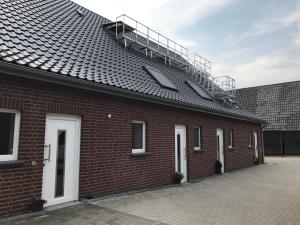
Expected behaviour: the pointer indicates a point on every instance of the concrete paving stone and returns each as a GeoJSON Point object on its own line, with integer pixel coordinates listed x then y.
{"type": "Point", "coordinates": [261, 195]}
{"type": "Point", "coordinates": [267, 194]}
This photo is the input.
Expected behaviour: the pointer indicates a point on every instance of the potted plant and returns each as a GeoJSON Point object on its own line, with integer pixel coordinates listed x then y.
{"type": "Point", "coordinates": [178, 177]}
{"type": "Point", "coordinates": [218, 166]}
{"type": "Point", "coordinates": [256, 161]}
{"type": "Point", "coordinates": [36, 205]}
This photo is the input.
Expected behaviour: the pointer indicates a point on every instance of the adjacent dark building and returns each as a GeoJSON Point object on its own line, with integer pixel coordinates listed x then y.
{"type": "Point", "coordinates": [279, 105]}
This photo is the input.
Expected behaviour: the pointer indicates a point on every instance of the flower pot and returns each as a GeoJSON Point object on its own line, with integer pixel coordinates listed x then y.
{"type": "Point", "coordinates": [36, 205]}
{"type": "Point", "coordinates": [218, 167]}
{"type": "Point", "coordinates": [178, 178]}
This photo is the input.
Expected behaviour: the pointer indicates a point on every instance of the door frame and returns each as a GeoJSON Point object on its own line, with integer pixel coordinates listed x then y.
{"type": "Point", "coordinates": [183, 159]}
{"type": "Point", "coordinates": [255, 136]}
{"type": "Point", "coordinates": [77, 119]}
{"type": "Point", "coordinates": [219, 149]}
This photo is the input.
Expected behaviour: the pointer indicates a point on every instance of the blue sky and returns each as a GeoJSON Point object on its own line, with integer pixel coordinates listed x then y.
{"type": "Point", "coordinates": [256, 42]}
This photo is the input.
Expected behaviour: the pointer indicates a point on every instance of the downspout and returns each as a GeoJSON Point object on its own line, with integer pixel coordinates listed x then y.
{"type": "Point", "coordinates": [263, 125]}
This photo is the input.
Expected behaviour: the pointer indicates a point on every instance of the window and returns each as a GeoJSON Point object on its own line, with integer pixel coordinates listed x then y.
{"type": "Point", "coordinates": [9, 134]}
{"type": "Point", "coordinates": [60, 163]}
{"type": "Point", "coordinates": [160, 78]}
{"type": "Point", "coordinates": [250, 139]}
{"type": "Point", "coordinates": [139, 132]}
{"type": "Point", "coordinates": [198, 90]}
{"type": "Point", "coordinates": [198, 141]}
{"type": "Point", "coordinates": [231, 138]}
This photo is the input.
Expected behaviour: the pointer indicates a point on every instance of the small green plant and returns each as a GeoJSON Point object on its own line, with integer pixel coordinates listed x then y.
{"type": "Point", "coordinates": [178, 177]}
{"type": "Point", "coordinates": [36, 205]}
{"type": "Point", "coordinates": [218, 166]}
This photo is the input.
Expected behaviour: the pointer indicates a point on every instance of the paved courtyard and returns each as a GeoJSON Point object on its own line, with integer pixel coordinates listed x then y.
{"type": "Point", "coordinates": [264, 195]}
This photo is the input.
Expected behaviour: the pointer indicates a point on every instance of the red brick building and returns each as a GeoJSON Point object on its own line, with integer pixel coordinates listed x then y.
{"type": "Point", "coordinates": [83, 116]}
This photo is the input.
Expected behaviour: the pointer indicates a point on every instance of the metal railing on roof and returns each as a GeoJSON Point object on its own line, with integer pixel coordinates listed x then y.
{"type": "Point", "coordinates": [150, 39]}
{"type": "Point", "coordinates": [224, 85]}
{"type": "Point", "coordinates": [143, 38]}
{"type": "Point", "coordinates": [202, 64]}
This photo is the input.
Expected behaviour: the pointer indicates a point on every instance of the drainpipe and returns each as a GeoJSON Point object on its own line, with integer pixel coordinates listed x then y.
{"type": "Point", "coordinates": [263, 125]}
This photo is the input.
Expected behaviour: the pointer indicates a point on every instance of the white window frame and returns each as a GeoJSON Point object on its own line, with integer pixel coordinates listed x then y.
{"type": "Point", "coordinates": [14, 155]}
{"type": "Point", "coordinates": [200, 141]}
{"type": "Point", "coordinates": [250, 144]}
{"type": "Point", "coordinates": [231, 141]}
{"type": "Point", "coordinates": [141, 150]}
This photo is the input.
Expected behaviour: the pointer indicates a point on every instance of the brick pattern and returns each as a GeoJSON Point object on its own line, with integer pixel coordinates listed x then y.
{"type": "Point", "coordinates": [106, 165]}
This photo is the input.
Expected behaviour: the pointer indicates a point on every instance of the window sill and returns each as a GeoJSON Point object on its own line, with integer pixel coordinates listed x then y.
{"type": "Point", "coordinates": [11, 164]}
{"type": "Point", "coordinates": [198, 150]}
{"type": "Point", "coordinates": [230, 148]}
{"type": "Point", "coordinates": [139, 155]}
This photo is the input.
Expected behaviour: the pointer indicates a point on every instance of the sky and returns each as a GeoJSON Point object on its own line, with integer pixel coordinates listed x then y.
{"type": "Point", "coordinates": [256, 42]}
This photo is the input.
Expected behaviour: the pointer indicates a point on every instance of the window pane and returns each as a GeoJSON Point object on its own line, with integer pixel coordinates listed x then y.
{"type": "Point", "coordinates": [231, 138]}
{"type": "Point", "coordinates": [178, 153]}
{"type": "Point", "coordinates": [196, 137]}
{"type": "Point", "coordinates": [7, 121]}
{"type": "Point", "coordinates": [201, 137]}
{"type": "Point", "coordinates": [137, 136]}
{"type": "Point", "coordinates": [60, 163]}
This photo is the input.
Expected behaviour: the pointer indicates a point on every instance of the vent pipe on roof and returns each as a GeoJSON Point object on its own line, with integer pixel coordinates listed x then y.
{"type": "Point", "coordinates": [80, 12]}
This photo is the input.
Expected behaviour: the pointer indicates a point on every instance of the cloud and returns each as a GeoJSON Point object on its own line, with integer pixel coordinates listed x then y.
{"type": "Point", "coordinates": [138, 9]}
{"type": "Point", "coordinates": [297, 37]}
{"type": "Point", "coordinates": [177, 14]}
{"type": "Point", "coordinates": [272, 68]}
{"type": "Point", "coordinates": [280, 65]}
{"type": "Point", "coordinates": [168, 17]}
{"type": "Point", "coordinates": [294, 18]}
{"type": "Point", "coordinates": [268, 24]}
{"type": "Point", "coordinates": [188, 43]}
{"type": "Point", "coordinates": [220, 69]}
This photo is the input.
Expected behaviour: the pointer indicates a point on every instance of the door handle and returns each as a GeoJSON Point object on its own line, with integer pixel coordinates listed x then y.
{"type": "Point", "coordinates": [49, 152]}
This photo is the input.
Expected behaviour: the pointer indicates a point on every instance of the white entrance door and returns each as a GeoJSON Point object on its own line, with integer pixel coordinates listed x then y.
{"type": "Point", "coordinates": [255, 144]}
{"type": "Point", "coordinates": [220, 144]}
{"type": "Point", "coordinates": [180, 151]}
{"type": "Point", "coordinates": [61, 159]}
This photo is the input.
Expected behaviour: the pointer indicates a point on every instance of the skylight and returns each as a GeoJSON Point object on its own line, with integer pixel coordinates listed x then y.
{"type": "Point", "coordinates": [198, 90]}
{"type": "Point", "coordinates": [160, 78]}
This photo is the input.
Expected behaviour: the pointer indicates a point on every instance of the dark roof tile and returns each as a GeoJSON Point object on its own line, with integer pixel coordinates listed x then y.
{"type": "Point", "coordinates": [278, 104]}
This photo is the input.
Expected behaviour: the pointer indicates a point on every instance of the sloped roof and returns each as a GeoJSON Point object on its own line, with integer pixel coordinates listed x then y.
{"type": "Point", "coordinates": [278, 104]}
{"type": "Point", "coordinates": [50, 35]}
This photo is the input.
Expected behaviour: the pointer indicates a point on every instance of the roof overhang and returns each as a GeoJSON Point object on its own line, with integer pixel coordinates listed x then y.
{"type": "Point", "coordinates": [54, 78]}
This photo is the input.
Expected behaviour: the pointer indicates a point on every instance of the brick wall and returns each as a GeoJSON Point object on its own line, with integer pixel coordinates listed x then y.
{"type": "Point", "coordinates": [106, 165]}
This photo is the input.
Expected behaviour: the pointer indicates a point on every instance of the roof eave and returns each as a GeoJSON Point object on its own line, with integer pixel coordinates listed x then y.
{"type": "Point", "coordinates": [46, 76]}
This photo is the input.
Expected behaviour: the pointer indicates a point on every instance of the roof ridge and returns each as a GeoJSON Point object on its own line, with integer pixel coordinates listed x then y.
{"type": "Point", "coordinates": [266, 85]}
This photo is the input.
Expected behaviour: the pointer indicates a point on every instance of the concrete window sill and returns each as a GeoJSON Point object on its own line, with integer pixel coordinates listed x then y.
{"type": "Point", "coordinates": [198, 151]}
{"type": "Point", "coordinates": [11, 164]}
{"type": "Point", "coordinates": [139, 155]}
{"type": "Point", "coordinates": [230, 148]}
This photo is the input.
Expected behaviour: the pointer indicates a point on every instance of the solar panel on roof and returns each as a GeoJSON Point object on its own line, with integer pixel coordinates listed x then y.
{"type": "Point", "coordinates": [160, 78]}
{"type": "Point", "coordinates": [198, 90]}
